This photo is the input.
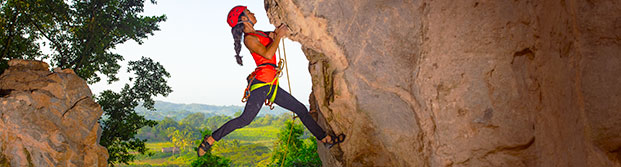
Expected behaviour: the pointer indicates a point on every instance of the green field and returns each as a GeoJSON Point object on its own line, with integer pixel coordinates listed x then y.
{"type": "Point", "coordinates": [156, 146]}
{"type": "Point", "coordinates": [260, 135]}
{"type": "Point", "coordinates": [253, 144]}
{"type": "Point", "coordinates": [159, 158]}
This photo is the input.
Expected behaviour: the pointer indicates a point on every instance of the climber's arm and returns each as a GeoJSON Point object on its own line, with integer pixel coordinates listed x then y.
{"type": "Point", "coordinates": [253, 44]}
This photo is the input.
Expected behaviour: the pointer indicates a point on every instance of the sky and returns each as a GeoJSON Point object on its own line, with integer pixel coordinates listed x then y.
{"type": "Point", "coordinates": [195, 46]}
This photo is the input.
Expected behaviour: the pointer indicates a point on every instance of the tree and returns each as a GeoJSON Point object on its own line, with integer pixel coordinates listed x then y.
{"type": "Point", "coordinates": [194, 119]}
{"type": "Point", "coordinates": [180, 137]}
{"type": "Point", "coordinates": [175, 137]}
{"type": "Point", "coordinates": [298, 152]}
{"type": "Point", "coordinates": [121, 122]}
{"type": "Point", "coordinates": [147, 133]}
{"type": "Point", "coordinates": [163, 125]}
{"type": "Point", "coordinates": [18, 36]}
{"type": "Point", "coordinates": [216, 121]}
{"type": "Point", "coordinates": [79, 33]}
{"type": "Point", "coordinates": [267, 120]}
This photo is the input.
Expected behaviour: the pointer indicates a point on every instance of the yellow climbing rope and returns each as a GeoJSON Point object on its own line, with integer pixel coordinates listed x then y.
{"type": "Point", "coordinates": [284, 156]}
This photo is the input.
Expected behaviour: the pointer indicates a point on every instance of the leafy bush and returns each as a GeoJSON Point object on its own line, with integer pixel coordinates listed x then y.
{"type": "Point", "coordinates": [209, 159]}
{"type": "Point", "coordinates": [293, 150]}
{"type": "Point", "coordinates": [243, 154]}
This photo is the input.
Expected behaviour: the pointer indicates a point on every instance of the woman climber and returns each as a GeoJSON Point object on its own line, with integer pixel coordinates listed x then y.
{"type": "Point", "coordinates": [263, 82]}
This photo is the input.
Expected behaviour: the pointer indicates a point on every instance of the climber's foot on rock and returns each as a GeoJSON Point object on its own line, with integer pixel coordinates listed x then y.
{"type": "Point", "coordinates": [331, 140]}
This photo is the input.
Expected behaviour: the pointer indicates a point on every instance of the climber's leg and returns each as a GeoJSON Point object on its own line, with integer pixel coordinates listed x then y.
{"type": "Point", "coordinates": [253, 105]}
{"type": "Point", "coordinates": [285, 100]}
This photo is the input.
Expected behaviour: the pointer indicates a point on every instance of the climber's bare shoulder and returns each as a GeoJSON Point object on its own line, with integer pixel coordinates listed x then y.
{"type": "Point", "coordinates": [253, 44]}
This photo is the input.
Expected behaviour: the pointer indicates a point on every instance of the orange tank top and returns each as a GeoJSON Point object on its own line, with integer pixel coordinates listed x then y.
{"type": "Point", "coordinates": [265, 73]}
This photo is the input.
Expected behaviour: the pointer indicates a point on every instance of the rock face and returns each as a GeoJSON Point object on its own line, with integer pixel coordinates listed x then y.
{"type": "Point", "coordinates": [463, 83]}
{"type": "Point", "coordinates": [47, 119]}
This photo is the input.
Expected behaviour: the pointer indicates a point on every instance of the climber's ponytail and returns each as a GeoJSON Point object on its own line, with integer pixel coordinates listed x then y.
{"type": "Point", "coordinates": [234, 19]}
{"type": "Point", "coordinates": [237, 32]}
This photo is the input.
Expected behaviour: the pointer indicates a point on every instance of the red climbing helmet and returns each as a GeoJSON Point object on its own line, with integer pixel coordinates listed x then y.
{"type": "Point", "coordinates": [233, 16]}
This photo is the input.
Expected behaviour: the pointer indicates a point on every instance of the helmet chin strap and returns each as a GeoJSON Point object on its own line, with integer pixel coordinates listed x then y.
{"type": "Point", "coordinates": [241, 22]}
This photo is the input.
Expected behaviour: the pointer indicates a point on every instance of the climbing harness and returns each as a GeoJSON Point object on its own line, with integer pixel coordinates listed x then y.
{"type": "Point", "coordinates": [273, 84]}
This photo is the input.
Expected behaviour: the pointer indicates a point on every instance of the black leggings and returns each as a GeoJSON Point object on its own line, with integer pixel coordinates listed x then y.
{"type": "Point", "coordinates": [254, 104]}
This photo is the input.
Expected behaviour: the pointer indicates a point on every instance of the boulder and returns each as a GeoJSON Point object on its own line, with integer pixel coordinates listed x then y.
{"type": "Point", "coordinates": [47, 118]}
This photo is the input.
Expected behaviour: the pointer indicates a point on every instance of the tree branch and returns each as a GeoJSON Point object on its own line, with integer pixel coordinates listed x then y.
{"type": "Point", "coordinates": [10, 37]}
{"type": "Point", "coordinates": [47, 36]}
{"type": "Point", "coordinates": [82, 57]}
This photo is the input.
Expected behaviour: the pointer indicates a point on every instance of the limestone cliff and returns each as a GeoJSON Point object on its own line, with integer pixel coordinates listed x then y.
{"type": "Point", "coordinates": [463, 83]}
{"type": "Point", "coordinates": [47, 118]}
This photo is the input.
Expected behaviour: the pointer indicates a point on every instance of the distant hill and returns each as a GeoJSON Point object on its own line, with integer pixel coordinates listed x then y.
{"type": "Point", "coordinates": [179, 111]}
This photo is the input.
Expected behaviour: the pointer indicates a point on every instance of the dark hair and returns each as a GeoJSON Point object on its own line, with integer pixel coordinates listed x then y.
{"type": "Point", "coordinates": [238, 31]}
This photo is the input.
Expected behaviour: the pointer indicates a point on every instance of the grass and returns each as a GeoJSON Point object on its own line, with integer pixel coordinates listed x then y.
{"type": "Point", "coordinates": [258, 135]}
{"type": "Point", "coordinates": [159, 158]}
{"type": "Point", "coordinates": [162, 159]}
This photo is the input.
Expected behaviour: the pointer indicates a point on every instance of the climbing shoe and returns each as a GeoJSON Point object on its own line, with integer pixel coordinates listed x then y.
{"type": "Point", "coordinates": [335, 140]}
{"type": "Point", "coordinates": [204, 147]}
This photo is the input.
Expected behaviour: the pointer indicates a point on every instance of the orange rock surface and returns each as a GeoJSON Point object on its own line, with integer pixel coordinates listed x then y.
{"type": "Point", "coordinates": [47, 118]}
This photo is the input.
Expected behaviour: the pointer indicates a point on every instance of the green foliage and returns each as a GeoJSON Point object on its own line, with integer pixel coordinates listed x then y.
{"type": "Point", "coordinates": [248, 146]}
{"type": "Point", "coordinates": [79, 33]}
{"type": "Point", "coordinates": [216, 121]}
{"type": "Point", "coordinates": [181, 138]}
{"type": "Point", "coordinates": [167, 123]}
{"type": "Point", "coordinates": [241, 154]}
{"type": "Point", "coordinates": [121, 122]}
{"type": "Point", "coordinates": [209, 160]}
{"type": "Point", "coordinates": [159, 132]}
{"type": "Point", "coordinates": [298, 152]}
{"type": "Point", "coordinates": [117, 135]}
{"type": "Point", "coordinates": [194, 119]}
{"type": "Point", "coordinates": [18, 36]}
{"type": "Point", "coordinates": [262, 128]}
